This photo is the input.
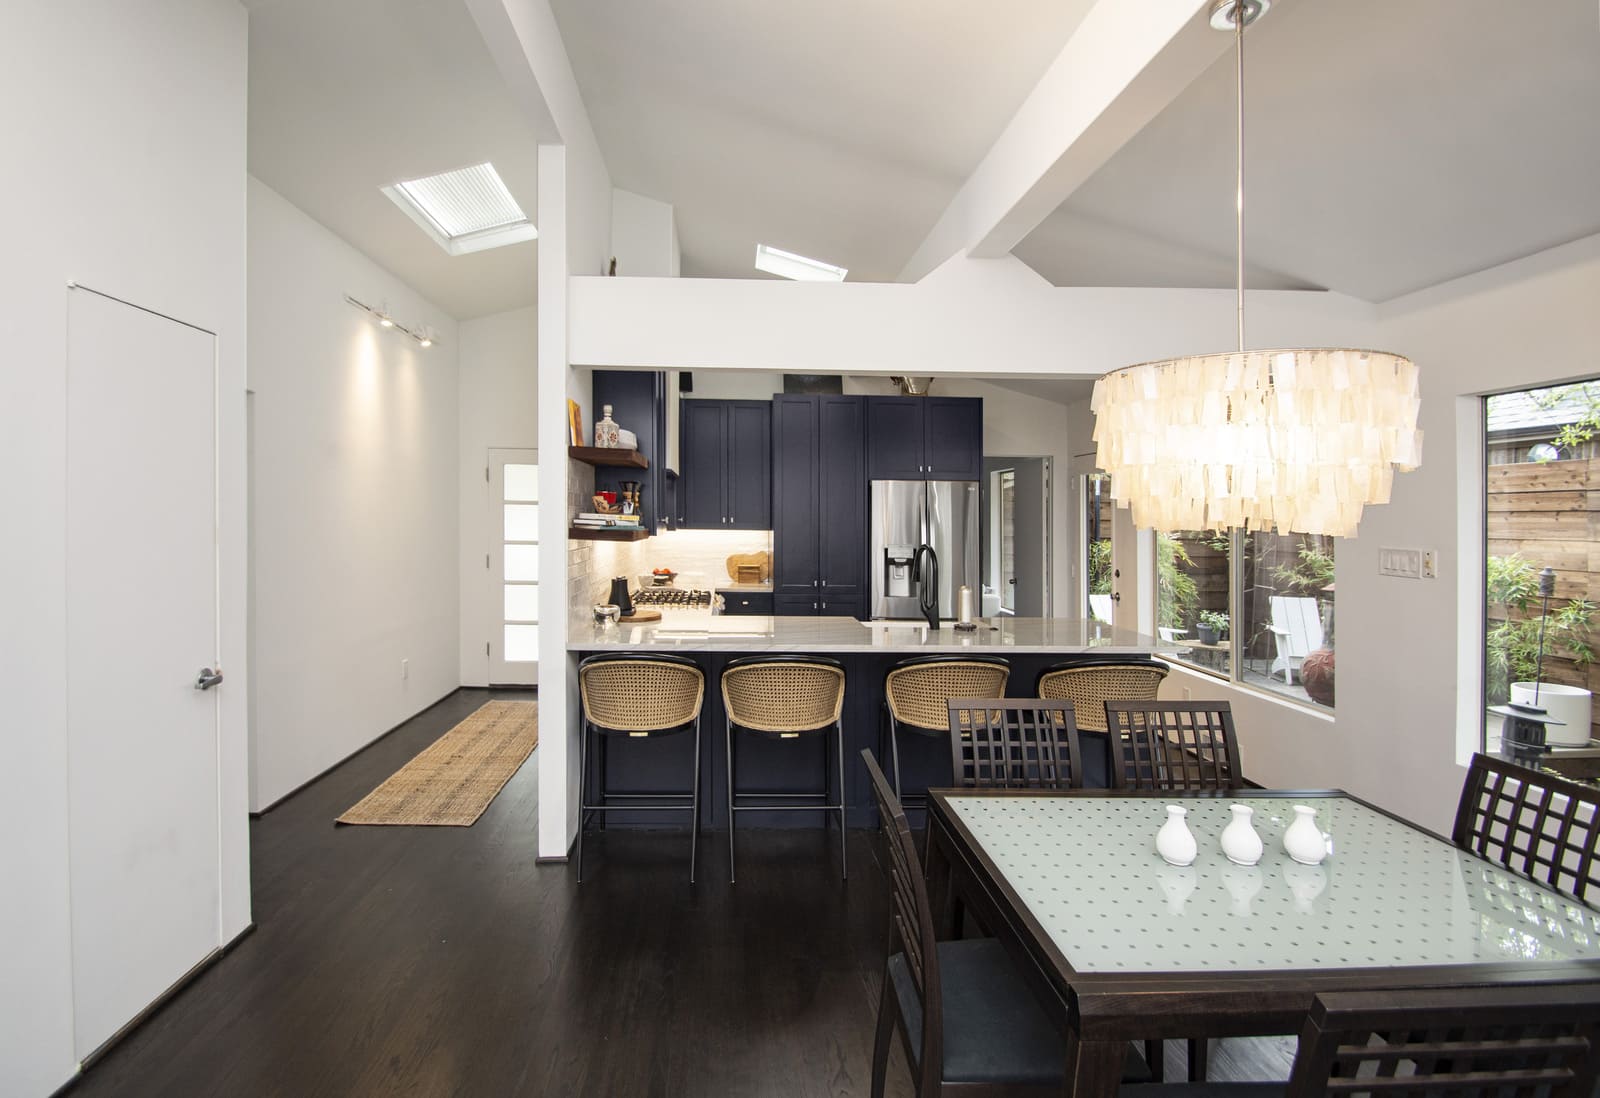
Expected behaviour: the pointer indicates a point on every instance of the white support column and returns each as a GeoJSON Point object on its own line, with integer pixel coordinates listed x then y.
{"type": "Point", "coordinates": [557, 674]}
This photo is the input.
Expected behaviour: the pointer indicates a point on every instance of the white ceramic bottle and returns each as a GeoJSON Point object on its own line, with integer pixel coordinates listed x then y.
{"type": "Point", "coordinates": [1240, 843]}
{"type": "Point", "coordinates": [1303, 839]}
{"type": "Point", "coordinates": [1174, 842]}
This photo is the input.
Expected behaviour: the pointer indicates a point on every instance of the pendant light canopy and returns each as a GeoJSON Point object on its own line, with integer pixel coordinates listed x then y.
{"type": "Point", "coordinates": [1297, 440]}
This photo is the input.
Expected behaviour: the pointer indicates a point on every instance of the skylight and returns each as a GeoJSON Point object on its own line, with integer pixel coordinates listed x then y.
{"type": "Point", "coordinates": [788, 265]}
{"type": "Point", "coordinates": [467, 210]}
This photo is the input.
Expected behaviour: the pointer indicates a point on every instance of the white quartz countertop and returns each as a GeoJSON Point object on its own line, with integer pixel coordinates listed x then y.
{"type": "Point", "coordinates": [701, 631]}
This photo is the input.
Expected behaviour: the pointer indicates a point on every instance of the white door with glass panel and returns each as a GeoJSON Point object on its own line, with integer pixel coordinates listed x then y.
{"type": "Point", "coordinates": [514, 566]}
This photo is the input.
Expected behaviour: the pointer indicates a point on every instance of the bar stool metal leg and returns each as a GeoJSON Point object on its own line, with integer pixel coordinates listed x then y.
{"type": "Point", "coordinates": [583, 789]}
{"type": "Point", "coordinates": [844, 828]}
{"type": "Point", "coordinates": [694, 801]}
{"type": "Point", "coordinates": [732, 814]}
{"type": "Point", "coordinates": [894, 752]}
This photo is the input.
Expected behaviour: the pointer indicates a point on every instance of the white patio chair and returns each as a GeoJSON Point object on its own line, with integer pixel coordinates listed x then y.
{"type": "Point", "coordinates": [1297, 629]}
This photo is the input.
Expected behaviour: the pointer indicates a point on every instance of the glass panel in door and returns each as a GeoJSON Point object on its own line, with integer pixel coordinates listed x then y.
{"type": "Point", "coordinates": [513, 647]}
{"type": "Point", "coordinates": [1096, 572]}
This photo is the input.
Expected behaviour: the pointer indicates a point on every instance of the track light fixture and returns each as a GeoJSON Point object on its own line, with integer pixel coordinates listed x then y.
{"type": "Point", "coordinates": [422, 333]}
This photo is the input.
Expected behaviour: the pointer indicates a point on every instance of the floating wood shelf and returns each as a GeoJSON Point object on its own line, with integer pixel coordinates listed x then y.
{"type": "Point", "coordinates": [607, 533]}
{"type": "Point", "coordinates": [596, 455]}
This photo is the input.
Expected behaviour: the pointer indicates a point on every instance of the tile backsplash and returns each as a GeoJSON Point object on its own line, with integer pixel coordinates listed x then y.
{"type": "Point", "coordinates": [700, 557]}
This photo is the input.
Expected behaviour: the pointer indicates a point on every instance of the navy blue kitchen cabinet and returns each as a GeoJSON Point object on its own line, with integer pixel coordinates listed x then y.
{"type": "Point", "coordinates": [638, 400]}
{"type": "Point", "coordinates": [726, 479]}
{"type": "Point", "coordinates": [819, 505]}
{"type": "Point", "coordinates": [924, 438]}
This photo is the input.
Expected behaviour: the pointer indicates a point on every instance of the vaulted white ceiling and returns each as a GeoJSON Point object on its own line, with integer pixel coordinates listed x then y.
{"type": "Point", "coordinates": [349, 95]}
{"type": "Point", "coordinates": [1390, 147]}
{"type": "Point", "coordinates": [836, 129]}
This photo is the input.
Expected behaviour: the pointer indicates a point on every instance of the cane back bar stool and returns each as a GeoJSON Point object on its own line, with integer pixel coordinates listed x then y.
{"type": "Point", "coordinates": [917, 694]}
{"type": "Point", "coordinates": [1089, 684]}
{"type": "Point", "coordinates": [785, 698]}
{"type": "Point", "coordinates": [638, 696]}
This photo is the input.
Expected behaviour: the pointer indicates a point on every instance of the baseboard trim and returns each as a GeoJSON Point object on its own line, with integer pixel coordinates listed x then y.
{"type": "Point", "coordinates": [317, 777]}
{"type": "Point", "coordinates": [155, 1007]}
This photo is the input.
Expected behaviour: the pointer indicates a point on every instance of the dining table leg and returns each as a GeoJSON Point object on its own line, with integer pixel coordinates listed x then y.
{"type": "Point", "coordinates": [936, 871]}
{"type": "Point", "coordinates": [1094, 1068]}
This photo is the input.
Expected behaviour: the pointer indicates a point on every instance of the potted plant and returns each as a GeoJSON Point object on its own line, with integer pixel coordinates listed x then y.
{"type": "Point", "coordinates": [1513, 648]}
{"type": "Point", "coordinates": [1211, 626]}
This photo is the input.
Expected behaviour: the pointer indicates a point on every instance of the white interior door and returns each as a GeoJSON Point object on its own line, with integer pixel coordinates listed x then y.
{"type": "Point", "coordinates": [514, 566]}
{"type": "Point", "coordinates": [141, 622]}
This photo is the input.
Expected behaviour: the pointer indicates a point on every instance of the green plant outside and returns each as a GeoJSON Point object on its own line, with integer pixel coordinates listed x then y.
{"type": "Point", "coordinates": [1213, 619]}
{"type": "Point", "coordinates": [1512, 647]}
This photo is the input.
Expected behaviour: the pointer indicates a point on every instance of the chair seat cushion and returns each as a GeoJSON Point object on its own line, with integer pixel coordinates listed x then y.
{"type": "Point", "coordinates": [994, 1029]}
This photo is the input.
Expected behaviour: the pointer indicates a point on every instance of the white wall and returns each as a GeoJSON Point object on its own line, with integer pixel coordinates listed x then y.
{"type": "Point", "coordinates": [126, 125]}
{"type": "Point", "coordinates": [356, 495]}
{"type": "Point", "coordinates": [644, 236]}
{"type": "Point", "coordinates": [499, 410]}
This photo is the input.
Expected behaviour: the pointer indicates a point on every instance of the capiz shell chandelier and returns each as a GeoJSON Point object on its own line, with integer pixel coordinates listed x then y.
{"type": "Point", "coordinates": [1294, 440]}
{"type": "Point", "coordinates": [1298, 440]}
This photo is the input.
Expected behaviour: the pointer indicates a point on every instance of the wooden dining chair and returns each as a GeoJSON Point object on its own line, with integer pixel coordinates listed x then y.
{"type": "Point", "coordinates": [967, 1022]}
{"type": "Point", "coordinates": [1535, 823]}
{"type": "Point", "coordinates": [1457, 1041]}
{"type": "Point", "coordinates": [1165, 747]}
{"type": "Point", "coordinates": [1014, 743]}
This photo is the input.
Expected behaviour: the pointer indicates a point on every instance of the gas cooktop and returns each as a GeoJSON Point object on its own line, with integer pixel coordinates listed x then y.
{"type": "Point", "coordinates": [671, 596]}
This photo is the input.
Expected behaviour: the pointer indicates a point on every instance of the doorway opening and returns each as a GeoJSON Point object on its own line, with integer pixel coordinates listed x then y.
{"type": "Point", "coordinates": [1016, 537]}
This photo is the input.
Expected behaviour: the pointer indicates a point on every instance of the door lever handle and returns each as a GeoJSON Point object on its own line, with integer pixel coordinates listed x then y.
{"type": "Point", "coordinates": [207, 678]}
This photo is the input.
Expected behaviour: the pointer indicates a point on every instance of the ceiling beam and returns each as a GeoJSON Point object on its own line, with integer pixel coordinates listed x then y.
{"type": "Point", "coordinates": [1121, 67]}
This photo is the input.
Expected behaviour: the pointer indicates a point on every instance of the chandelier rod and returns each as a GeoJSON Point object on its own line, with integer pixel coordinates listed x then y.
{"type": "Point", "coordinates": [1238, 198]}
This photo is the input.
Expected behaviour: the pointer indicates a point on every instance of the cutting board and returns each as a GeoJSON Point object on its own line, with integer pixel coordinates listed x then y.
{"type": "Point", "coordinates": [761, 560]}
{"type": "Point", "coordinates": [640, 615]}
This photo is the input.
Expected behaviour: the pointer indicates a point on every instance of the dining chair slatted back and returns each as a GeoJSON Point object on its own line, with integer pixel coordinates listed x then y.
{"type": "Point", "coordinates": [910, 915]}
{"type": "Point", "coordinates": [1014, 743]}
{"type": "Point", "coordinates": [1088, 686]}
{"type": "Point", "coordinates": [1534, 823]}
{"type": "Point", "coordinates": [1159, 746]}
{"type": "Point", "coordinates": [1460, 1041]}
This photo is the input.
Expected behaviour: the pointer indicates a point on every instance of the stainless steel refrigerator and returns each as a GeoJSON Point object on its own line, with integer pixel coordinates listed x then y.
{"type": "Point", "coordinates": [908, 514]}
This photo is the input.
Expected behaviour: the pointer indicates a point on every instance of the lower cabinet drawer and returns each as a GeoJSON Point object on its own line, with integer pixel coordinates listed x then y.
{"type": "Point", "coordinates": [746, 602]}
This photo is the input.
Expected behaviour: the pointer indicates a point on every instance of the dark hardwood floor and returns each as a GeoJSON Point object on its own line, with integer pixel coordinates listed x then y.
{"type": "Point", "coordinates": [444, 961]}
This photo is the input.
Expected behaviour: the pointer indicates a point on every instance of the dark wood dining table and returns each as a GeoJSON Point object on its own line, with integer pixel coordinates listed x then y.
{"type": "Point", "coordinates": [1119, 946]}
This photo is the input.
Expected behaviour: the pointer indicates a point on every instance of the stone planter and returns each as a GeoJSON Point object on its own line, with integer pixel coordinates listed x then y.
{"type": "Point", "coordinates": [1568, 704]}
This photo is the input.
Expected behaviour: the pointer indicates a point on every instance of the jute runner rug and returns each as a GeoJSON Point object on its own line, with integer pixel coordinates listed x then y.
{"type": "Point", "coordinates": [454, 778]}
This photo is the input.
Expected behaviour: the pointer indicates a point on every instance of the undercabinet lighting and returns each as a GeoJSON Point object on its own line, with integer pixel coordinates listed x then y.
{"type": "Point", "coordinates": [789, 265]}
{"type": "Point", "coordinates": [466, 210]}
{"type": "Point", "coordinates": [422, 333]}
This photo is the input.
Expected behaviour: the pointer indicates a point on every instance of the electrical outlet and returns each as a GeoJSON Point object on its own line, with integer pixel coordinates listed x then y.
{"type": "Point", "coordinates": [1404, 563]}
{"type": "Point", "coordinates": [405, 669]}
{"type": "Point", "coordinates": [1430, 564]}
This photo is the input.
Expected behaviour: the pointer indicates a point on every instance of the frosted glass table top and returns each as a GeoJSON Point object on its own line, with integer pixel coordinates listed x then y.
{"type": "Point", "coordinates": [1087, 870]}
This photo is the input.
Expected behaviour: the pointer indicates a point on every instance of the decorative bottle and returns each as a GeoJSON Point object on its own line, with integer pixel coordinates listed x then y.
{"type": "Point", "coordinates": [1174, 842]}
{"type": "Point", "coordinates": [1303, 840]}
{"type": "Point", "coordinates": [1240, 843]}
{"type": "Point", "coordinates": [607, 435]}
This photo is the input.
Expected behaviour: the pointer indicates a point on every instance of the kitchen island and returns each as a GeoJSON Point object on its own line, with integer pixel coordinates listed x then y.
{"type": "Point", "coordinates": [868, 650]}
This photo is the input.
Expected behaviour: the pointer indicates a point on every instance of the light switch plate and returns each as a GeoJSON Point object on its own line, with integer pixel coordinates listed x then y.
{"type": "Point", "coordinates": [1404, 563]}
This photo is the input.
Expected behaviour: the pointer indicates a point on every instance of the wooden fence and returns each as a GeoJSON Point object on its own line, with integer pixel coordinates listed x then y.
{"type": "Point", "coordinates": [1550, 514]}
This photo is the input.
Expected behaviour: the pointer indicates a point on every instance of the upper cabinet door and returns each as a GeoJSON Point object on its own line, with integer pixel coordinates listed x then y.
{"type": "Point", "coordinates": [702, 480]}
{"type": "Point", "coordinates": [842, 496]}
{"type": "Point", "coordinates": [895, 438]}
{"type": "Point", "coordinates": [794, 495]}
{"type": "Point", "coordinates": [749, 464]}
{"type": "Point", "coordinates": [953, 438]}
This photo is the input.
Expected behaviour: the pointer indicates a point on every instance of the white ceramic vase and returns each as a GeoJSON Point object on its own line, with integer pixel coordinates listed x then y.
{"type": "Point", "coordinates": [1240, 843]}
{"type": "Point", "coordinates": [1174, 842]}
{"type": "Point", "coordinates": [1303, 839]}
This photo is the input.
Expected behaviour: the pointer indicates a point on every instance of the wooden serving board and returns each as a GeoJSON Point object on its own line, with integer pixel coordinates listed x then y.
{"type": "Point", "coordinates": [640, 615]}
